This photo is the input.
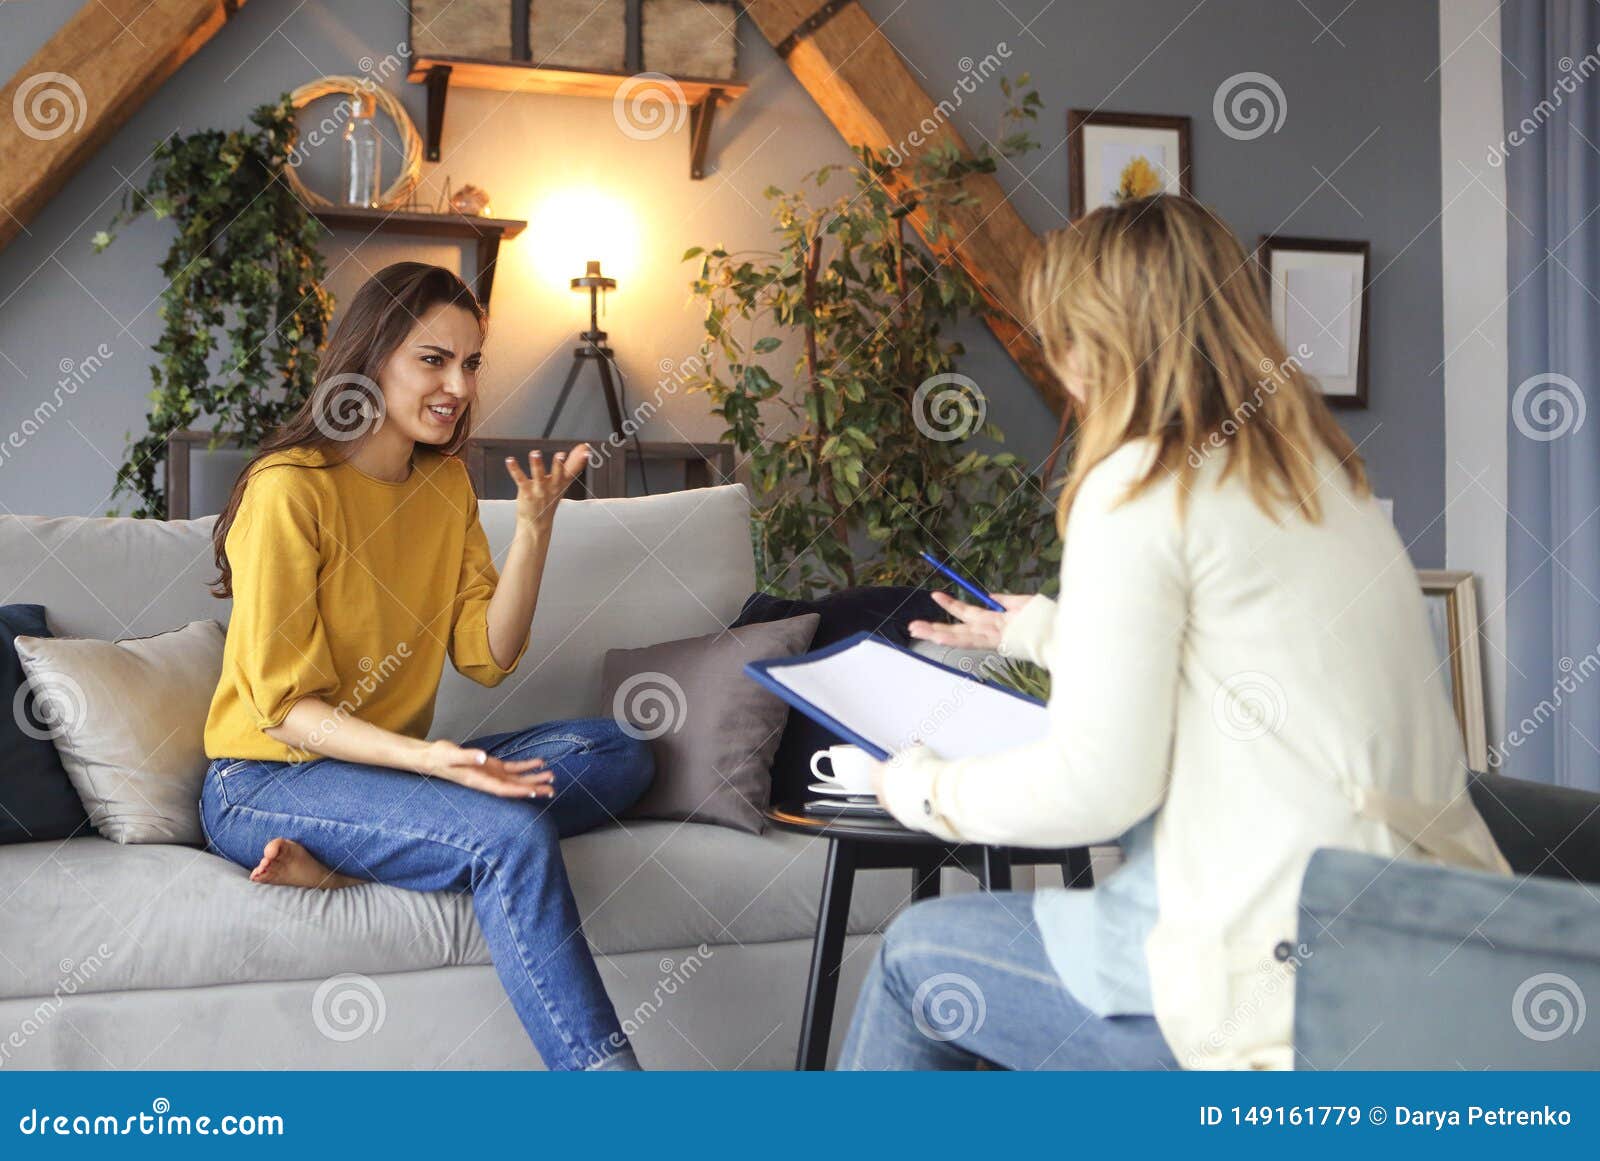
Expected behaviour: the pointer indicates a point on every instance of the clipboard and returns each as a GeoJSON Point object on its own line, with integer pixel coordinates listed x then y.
{"type": "Point", "coordinates": [1026, 718]}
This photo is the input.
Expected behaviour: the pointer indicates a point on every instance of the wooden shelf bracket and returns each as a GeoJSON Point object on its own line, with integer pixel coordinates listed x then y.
{"type": "Point", "coordinates": [700, 95]}
{"type": "Point", "coordinates": [701, 115]}
{"type": "Point", "coordinates": [438, 82]}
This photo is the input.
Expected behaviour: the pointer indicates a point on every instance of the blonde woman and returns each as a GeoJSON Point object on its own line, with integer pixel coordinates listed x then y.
{"type": "Point", "coordinates": [1241, 673]}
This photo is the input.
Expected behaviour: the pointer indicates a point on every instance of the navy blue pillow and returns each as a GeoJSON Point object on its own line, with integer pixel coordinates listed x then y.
{"type": "Point", "coordinates": [37, 802]}
{"type": "Point", "coordinates": [883, 609]}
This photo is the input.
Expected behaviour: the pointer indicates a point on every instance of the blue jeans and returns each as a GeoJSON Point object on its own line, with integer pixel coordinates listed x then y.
{"type": "Point", "coordinates": [966, 978]}
{"type": "Point", "coordinates": [426, 834]}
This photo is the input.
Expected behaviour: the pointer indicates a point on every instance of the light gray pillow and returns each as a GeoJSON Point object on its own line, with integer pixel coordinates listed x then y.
{"type": "Point", "coordinates": [712, 729]}
{"type": "Point", "coordinates": [128, 719]}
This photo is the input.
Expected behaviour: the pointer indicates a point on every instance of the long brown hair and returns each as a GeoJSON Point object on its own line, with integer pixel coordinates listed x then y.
{"type": "Point", "coordinates": [1174, 342]}
{"type": "Point", "coordinates": [379, 318]}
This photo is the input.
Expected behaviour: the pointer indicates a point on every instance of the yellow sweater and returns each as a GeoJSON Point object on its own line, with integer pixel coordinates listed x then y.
{"type": "Point", "coordinates": [351, 589]}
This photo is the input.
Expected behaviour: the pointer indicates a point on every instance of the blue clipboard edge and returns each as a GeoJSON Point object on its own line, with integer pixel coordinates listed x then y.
{"type": "Point", "coordinates": [760, 671]}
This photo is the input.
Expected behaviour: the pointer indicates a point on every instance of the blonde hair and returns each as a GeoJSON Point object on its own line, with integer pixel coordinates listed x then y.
{"type": "Point", "coordinates": [1166, 321]}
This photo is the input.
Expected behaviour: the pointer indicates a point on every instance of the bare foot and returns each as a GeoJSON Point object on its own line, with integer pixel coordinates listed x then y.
{"type": "Point", "coordinates": [285, 863]}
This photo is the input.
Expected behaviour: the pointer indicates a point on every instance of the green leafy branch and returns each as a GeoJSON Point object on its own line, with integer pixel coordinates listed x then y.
{"type": "Point", "coordinates": [243, 270]}
{"type": "Point", "coordinates": [853, 472]}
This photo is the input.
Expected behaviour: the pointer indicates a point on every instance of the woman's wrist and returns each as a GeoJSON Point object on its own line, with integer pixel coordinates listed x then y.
{"type": "Point", "coordinates": [407, 753]}
{"type": "Point", "coordinates": [533, 529]}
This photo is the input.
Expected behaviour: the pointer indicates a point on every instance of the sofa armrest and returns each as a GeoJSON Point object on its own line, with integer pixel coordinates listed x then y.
{"type": "Point", "coordinates": [1410, 965]}
{"type": "Point", "coordinates": [1552, 831]}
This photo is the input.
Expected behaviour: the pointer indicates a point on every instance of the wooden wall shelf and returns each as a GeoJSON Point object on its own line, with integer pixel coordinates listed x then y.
{"type": "Point", "coordinates": [703, 465]}
{"type": "Point", "coordinates": [508, 76]}
{"type": "Point", "coordinates": [486, 232]}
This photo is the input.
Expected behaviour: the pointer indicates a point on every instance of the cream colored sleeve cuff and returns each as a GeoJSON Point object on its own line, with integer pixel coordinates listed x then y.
{"type": "Point", "coordinates": [910, 791]}
{"type": "Point", "coordinates": [1029, 633]}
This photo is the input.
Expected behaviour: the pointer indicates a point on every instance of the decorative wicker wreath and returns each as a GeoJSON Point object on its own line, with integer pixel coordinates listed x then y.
{"type": "Point", "coordinates": [410, 171]}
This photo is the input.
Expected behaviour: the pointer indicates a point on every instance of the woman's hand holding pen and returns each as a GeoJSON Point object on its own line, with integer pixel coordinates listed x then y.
{"type": "Point", "coordinates": [975, 627]}
{"type": "Point", "coordinates": [538, 490]}
{"type": "Point", "coordinates": [480, 770]}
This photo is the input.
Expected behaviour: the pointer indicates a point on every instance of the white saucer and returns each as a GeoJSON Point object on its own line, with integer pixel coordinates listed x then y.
{"type": "Point", "coordinates": [834, 788]}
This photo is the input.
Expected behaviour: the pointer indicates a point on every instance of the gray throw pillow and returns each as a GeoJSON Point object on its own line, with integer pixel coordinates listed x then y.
{"type": "Point", "coordinates": [711, 729]}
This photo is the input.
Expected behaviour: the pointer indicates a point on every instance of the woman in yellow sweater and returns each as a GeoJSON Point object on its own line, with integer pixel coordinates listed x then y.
{"type": "Point", "coordinates": [352, 550]}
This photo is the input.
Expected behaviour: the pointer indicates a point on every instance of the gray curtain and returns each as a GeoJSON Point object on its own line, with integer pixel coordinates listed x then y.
{"type": "Point", "coordinates": [1551, 155]}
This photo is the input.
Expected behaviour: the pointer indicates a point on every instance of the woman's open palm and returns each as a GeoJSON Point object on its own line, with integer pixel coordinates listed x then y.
{"type": "Point", "coordinates": [538, 490]}
{"type": "Point", "coordinates": [975, 627]}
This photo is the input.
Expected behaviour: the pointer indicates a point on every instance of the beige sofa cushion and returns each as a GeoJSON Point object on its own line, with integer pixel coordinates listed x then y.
{"type": "Point", "coordinates": [128, 719]}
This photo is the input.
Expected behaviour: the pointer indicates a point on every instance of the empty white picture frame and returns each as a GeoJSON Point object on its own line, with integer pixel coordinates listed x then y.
{"type": "Point", "coordinates": [1318, 290]}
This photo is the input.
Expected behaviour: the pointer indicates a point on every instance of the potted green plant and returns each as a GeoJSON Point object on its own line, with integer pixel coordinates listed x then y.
{"type": "Point", "coordinates": [874, 458]}
{"type": "Point", "coordinates": [244, 271]}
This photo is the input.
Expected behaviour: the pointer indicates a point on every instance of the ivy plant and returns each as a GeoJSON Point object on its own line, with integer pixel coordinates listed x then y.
{"type": "Point", "coordinates": [871, 457]}
{"type": "Point", "coordinates": [244, 271]}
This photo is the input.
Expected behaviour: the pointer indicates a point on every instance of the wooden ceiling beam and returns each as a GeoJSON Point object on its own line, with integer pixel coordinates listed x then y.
{"type": "Point", "coordinates": [83, 85]}
{"type": "Point", "coordinates": [867, 90]}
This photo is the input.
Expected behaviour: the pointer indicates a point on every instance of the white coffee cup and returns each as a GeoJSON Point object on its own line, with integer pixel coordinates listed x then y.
{"type": "Point", "coordinates": [850, 768]}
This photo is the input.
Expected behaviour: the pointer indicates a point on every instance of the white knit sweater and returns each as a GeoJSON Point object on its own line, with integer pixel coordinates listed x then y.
{"type": "Point", "coordinates": [1270, 685]}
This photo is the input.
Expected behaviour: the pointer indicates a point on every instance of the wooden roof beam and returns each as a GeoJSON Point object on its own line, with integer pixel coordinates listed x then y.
{"type": "Point", "coordinates": [83, 85]}
{"type": "Point", "coordinates": [868, 91]}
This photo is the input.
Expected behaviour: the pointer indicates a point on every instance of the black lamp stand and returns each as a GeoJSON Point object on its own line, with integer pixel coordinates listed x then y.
{"type": "Point", "coordinates": [595, 350]}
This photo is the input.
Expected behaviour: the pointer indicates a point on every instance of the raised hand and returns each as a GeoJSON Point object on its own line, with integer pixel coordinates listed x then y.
{"type": "Point", "coordinates": [539, 490]}
{"type": "Point", "coordinates": [976, 627]}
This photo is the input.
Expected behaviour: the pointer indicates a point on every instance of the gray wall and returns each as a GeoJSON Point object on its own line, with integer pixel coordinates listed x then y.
{"type": "Point", "coordinates": [1357, 157]}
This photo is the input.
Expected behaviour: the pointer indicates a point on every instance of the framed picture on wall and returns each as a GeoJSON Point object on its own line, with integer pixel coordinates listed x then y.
{"type": "Point", "coordinates": [1318, 289]}
{"type": "Point", "coordinates": [1115, 156]}
{"type": "Point", "coordinates": [1452, 605]}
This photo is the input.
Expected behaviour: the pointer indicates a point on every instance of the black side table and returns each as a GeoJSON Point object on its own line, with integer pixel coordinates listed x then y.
{"type": "Point", "coordinates": [866, 844]}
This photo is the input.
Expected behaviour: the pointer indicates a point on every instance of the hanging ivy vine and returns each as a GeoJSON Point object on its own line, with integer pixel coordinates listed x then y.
{"type": "Point", "coordinates": [245, 315]}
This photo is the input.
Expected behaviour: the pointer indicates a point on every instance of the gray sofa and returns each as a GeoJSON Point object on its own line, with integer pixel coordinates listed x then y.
{"type": "Point", "coordinates": [167, 957]}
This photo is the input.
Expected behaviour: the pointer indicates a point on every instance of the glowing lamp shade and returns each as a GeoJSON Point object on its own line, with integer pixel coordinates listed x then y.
{"type": "Point", "coordinates": [573, 227]}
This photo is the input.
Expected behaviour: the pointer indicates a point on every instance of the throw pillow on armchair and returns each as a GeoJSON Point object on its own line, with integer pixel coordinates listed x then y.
{"type": "Point", "coordinates": [882, 609]}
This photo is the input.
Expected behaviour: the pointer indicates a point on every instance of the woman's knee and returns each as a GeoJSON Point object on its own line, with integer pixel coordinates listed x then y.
{"type": "Point", "coordinates": [908, 933]}
{"type": "Point", "coordinates": [929, 935]}
{"type": "Point", "coordinates": [502, 827]}
{"type": "Point", "coordinates": [627, 763]}
{"type": "Point", "coordinates": [929, 922]}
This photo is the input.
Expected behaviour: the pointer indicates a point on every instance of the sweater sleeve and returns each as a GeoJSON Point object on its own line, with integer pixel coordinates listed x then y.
{"type": "Point", "coordinates": [1117, 633]}
{"type": "Point", "coordinates": [281, 653]}
{"type": "Point", "coordinates": [1031, 633]}
{"type": "Point", "coordinates": [469, 618]}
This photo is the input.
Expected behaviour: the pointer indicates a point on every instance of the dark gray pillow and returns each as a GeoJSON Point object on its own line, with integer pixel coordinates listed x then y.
{"type": "Point", "coordinates": [711, 729]}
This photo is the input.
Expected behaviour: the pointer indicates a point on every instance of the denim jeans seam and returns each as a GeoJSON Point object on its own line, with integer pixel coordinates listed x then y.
{"type": "Point", "coordinates": [223, 776]}
{"type": "Point", "coordinates": [581, 746]}
{"type": "Point", "coordinates": [527, 969]}
{"type": "Point", "coordinates": [997, 965]}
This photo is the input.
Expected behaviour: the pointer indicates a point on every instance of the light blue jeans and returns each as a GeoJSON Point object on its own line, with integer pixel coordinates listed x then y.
{"type": "Point", "coordinates": [966, 978]}
{"type": "Point", "coordinates": [426, 834]}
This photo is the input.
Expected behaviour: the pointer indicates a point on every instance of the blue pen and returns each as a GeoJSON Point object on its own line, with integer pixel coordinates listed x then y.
{"type": "Point", "coordinates": [973, 590]}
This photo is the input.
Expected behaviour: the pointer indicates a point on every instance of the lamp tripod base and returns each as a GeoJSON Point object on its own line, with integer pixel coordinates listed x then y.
{"type": "Point", "coordinates": [595, 351]}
